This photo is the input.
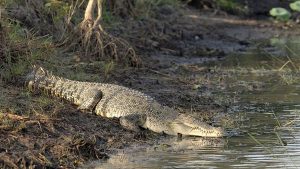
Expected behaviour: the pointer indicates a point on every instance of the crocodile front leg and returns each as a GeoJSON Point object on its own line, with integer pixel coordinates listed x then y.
{"type": "Point", "coordinates": [133, 121]}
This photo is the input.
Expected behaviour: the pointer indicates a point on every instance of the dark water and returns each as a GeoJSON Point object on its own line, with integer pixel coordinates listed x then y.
{"type": "Point", "coordinates": [265, 126]}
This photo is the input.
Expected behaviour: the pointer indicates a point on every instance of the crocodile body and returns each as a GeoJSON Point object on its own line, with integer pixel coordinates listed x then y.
{"type": "Point", "coordinates": [134, 108]}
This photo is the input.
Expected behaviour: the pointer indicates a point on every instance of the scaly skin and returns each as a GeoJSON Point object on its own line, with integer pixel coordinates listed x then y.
{"type": "Point", "coordinates": [134, 108]}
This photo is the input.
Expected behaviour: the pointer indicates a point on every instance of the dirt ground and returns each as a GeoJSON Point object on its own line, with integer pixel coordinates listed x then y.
{"type": "Point", "coordinates": [41, 131]}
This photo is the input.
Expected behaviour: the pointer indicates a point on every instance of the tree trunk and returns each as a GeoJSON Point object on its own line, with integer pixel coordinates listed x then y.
{"type": "Point", "coordinates": [89, 21]}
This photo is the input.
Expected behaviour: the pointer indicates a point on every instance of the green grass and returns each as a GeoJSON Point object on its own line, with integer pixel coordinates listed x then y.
{"type": "Point", "coordinates": [231, 6]}
{"type": "Point", "coordinates": [146, 8]}
{"type": "Point", "coordinates": [20, 49]}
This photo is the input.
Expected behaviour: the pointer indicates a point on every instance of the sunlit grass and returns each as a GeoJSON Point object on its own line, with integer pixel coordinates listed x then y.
{"type": "Point", "coordinates": [232, 6]}
{"type": "Point", "coordinates": [20, 49]}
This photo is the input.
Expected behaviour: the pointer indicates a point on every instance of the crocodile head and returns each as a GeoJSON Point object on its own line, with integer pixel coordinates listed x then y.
{"type": "Point", "coordinates": [207, 132]}
{"type": "Point", "coordinates": [167, 120]}
{"type": "Point", "coordinates": [201, 129]}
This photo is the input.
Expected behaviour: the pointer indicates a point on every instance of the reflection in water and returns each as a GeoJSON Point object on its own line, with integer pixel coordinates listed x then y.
{"type": "Point", "coordinates": [267, 115]}
{"type": "Point", "coordinates": [167, 152]}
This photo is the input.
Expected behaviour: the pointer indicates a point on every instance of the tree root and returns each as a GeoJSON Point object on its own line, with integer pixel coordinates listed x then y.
{"type": "Point", "coordinates": [95, 43]}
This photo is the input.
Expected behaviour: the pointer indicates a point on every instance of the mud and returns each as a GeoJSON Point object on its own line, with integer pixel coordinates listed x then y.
{"type": "Point", "coordinates": [40, 131]}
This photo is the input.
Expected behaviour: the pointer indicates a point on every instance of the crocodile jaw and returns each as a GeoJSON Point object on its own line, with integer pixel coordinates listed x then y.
{"type": "Point", "coordinates": [204, 132]}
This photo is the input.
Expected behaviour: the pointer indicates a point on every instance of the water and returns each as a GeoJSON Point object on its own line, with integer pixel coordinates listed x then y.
{"type": "Point", "coordinates": [273, 145]}
{"type": "Point", "coordinates": [266, 122]}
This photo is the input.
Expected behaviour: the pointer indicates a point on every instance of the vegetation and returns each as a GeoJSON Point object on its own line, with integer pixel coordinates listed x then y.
{"type": "Point", "coordinates": [283, 14]}
{"type": "Point", "coordinates": [232, 6]}
{"type": "Point", "coordinates": [20, 48]}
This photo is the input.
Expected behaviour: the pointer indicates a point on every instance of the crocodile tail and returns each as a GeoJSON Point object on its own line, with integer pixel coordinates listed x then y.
{"type": "Point", "coordinates": [41, 80]}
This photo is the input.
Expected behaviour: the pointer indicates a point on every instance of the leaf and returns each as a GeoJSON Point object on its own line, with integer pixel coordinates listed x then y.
{"type": "Point", "coordinates": [280, 13]}
{"type": "Point", "coordinates": [295, 6]}
{"type": "Point", "coordinates": [48, 5]}
{"type": "Point", "coordinates": [284, 17]}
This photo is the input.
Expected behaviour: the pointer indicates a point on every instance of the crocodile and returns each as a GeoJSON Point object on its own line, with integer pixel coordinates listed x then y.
{"type": "Point", "coordinates": [134, 109]}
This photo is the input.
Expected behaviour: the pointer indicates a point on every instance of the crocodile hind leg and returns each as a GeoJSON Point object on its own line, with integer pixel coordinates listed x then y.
{"type": "Point", "coordinates": [133, 121]}
{"type": "Point", "coordinates": [93, 97]}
